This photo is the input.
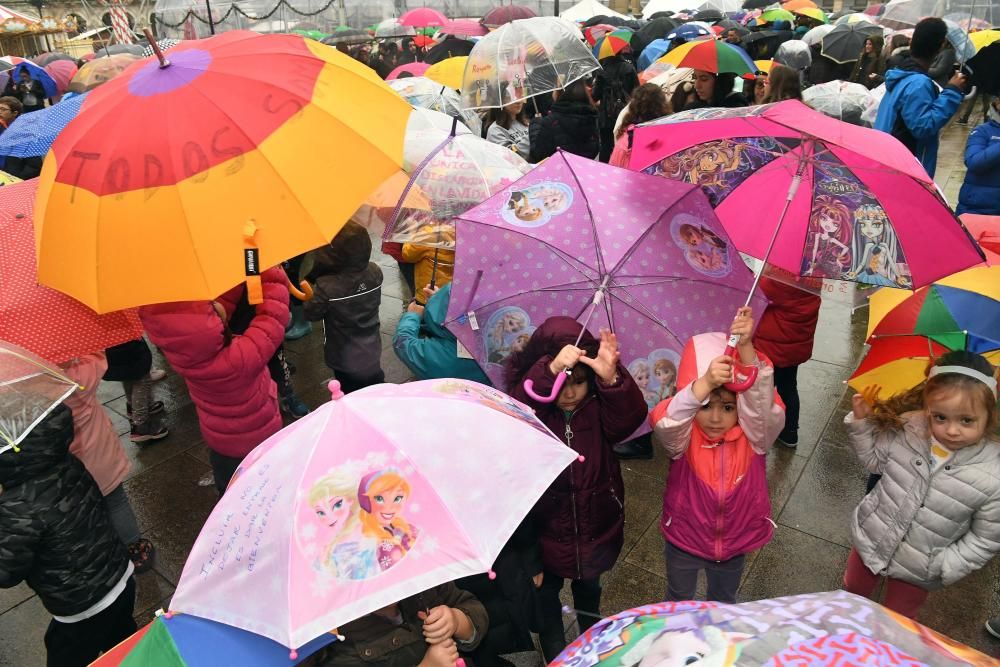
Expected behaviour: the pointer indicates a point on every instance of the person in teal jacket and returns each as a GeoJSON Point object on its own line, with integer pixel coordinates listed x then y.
{"type": "Point", "coordinates": [427, 348]}
{"type": "Point", "coordinates": [912, 110]}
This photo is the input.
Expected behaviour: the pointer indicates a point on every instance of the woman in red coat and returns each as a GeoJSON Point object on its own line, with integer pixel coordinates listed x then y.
{"type": "Point", "coordinates": [785, 334]}
{"type": "Point", "coordinates": [226, 374]}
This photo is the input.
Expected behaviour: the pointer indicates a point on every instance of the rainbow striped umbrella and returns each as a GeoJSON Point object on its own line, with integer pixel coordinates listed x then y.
{"type": "Point", "coordinates": [613, 43]}
{"type": "Point", "coordinates": [712, 55]}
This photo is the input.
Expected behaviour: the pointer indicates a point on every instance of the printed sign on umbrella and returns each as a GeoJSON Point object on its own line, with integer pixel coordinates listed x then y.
{"type": "Point", "coordinates": [357, 506]}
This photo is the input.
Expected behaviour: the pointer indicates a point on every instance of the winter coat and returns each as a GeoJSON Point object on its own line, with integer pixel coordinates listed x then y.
{"type": "Point", "coordinates": [914, 112]}
{"type": "Point", "coordinates": [716, 504]}
{"type": "Point", "coordinates": [55, 533]}
{"type": "Point", "coordinates": [929, 528]}
{"type": "Point", "coordinates": [870, 64]}
{"type": "Point", "coordinates": [95, 440]}
{"type": "Point", "coordinates": [571, 126]}
{"type": "Point", "coordinates": [517, 138]}
{"type": "Point", "coordinates": [347, 288]}
{"type": "Point", "coordinates": [129, 361]}
{"type": "Point", "coordinates": [375, 641]}
{"type": "Point", "coordinates": [943, 66]}
{"type": "Point", "coordinates": [980, 191]}
{"type": "Point", "coordinates": [613, 86]}
{"type": "Point", "coordinates": [23, 167]}
{"type": "Point", "coordinates": [428, 349]}
{"type": "Point", "coordinates": [581, 516]}
{"type": "Point", "coordinates": [731, 100]}
{"type": "Point", "coordinates": [788, 326]}
{"type": "Point", "coordinates": [24, 92]}
{"type": "Point", "coordinates": [232, 391]}
{"type": "Point", "coordinates": [430, 263]}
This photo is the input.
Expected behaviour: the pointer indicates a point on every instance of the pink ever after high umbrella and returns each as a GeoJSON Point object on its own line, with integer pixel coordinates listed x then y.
{"type": "Point", "coordinates": [360, 504]}
{"type": "Point", "coordinates": [615, 249]}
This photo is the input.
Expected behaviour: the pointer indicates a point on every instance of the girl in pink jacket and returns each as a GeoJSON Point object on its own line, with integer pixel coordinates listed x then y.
{"type": "Point", "coordinates": [226, 374]}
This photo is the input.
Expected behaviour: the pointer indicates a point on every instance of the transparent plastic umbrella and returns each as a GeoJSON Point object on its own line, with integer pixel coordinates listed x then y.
{"type": "Point", "coordinates": [907, 13]}
{"type": "Point", "coordinates": [392, 28]}
{"type": "Point", "coordinates": [816, 35]}
{"type": "Point", "coordinates": [839, 99]}
{"type": "Point", "coordinates": [423, 92]}
{"type": "Point", "coordinates": [875, 96]}
{"type": "Point", "coordinates": [29, 389]}
{"type": "Point", "coordinates": [795, 54]}
{"type": "Point", "coordinates": [524, 58]}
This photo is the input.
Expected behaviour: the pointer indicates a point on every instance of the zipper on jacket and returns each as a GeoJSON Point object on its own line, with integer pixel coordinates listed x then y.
{"type": "Point", "coordinates": [719, 522]}
{"type": "Point", "coordinates": [568, 435]}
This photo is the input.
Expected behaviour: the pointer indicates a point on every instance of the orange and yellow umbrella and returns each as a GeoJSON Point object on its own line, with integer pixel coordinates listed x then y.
{"type": "Point", "coordinates": [179, 180]}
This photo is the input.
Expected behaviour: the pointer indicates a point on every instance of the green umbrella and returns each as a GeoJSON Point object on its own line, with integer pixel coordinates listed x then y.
{"type": "Point", "coordinates": [772, 15]}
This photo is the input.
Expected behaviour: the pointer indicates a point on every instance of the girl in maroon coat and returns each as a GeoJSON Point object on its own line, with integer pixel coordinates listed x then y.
{"type": "Point", "coordinates": [581, 517]}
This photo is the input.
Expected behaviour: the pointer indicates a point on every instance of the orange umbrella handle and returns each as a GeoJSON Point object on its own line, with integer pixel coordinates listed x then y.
{"type": "Point", "coordinates": [305, 294]}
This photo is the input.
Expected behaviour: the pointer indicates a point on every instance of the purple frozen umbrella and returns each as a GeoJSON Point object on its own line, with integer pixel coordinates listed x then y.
{"type": "Point", "coordinates": [620, 250]}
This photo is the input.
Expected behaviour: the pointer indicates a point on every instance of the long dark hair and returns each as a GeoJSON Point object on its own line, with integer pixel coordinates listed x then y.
{"type": "Point", "coordinates": [576, 92]}
{"type": "Point", "coordinates": [649, 102]}
{"type": "Point", "coordinates": [503, 119]}
{"type": "Point", "coordinates": [784, 83]}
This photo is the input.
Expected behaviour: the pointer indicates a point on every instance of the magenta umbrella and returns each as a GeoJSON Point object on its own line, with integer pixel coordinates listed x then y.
{"type": "Point", "coordinates": [615, 249]}
{"type": "Point", "coordinates": [62, 72]}
{"type": "Point", "coordinates": [498, 16]}
{"type": "Point", "coordinates": [414, 69]}
{"type": "Point", "coordinates": [423, 17]}
{"type": "Point", "coordinates": [464, 27]}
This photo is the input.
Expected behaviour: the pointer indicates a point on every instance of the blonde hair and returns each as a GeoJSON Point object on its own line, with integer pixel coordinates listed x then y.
{"type": "Point", "coordinates": [383, 482]}
{"type": "Point", "coordinates": [332, 485]}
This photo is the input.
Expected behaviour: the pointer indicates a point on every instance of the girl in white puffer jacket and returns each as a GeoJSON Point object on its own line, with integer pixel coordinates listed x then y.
{"type": "Point", "coordinates": [935, 515]}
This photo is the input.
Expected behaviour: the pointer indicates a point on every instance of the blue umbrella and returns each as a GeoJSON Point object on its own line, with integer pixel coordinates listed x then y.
{"type": "Point", "coordinates": [653, 52]}
{"type": "Point", "coordinates": [32, 134]}
{"type": "Point", "coordinates": [687, 32]}
{"type": "Point", "coordinates": [38, 74]}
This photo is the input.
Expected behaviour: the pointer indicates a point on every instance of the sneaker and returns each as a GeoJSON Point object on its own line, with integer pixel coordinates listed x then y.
{"type": "Point", "coordinates": [147, 432]}
{"type": "Point", "coordinates": [292, 406]}
{"type": "Point", "coordinates": [993, 627]}
{"type": "Point", "coordinates": [157, 374]}
{"type": "Point", "coordinates": [142, 553]}
{"type": "Point", "coordinates": [788, 440]}
{"type": "Point", "coordinates": [155, 408]}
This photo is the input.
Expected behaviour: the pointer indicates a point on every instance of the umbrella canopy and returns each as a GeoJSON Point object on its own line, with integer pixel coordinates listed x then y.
{"type": "Point", "coordinates": [30, 388]}
{"type": "Point", "coordinates": [688, 32]}
{"type": "Point", "coordinates": [712, 55]}
{"type": "Point", "coordinates": [100, 70]}
{"type": "Point", "coordinates": [670, 79]}
{"type": "Point", "coordinates": [772, 15]}
{"type": "Point", "coordinates": [985, 229]}
{"type": "Point", "coordinates": [656, 29]}
{"type": "Point", "coordinates": [32, 134]}
{"type": "Point", "coordinates": [958, 37]}
{"type": "Point", "coordinates": [709, 15]}
{"type": "Point", "coordinates": [594, 33]}
{"type": "Point", "coordinates": [813, 13]}
{"type": "Point", "coordinates": [818, 629]}
{"type": "Point", "coordinates": [525, 58]}
{"type": "Point", "coordinates": [38, 318]}
{"type": "Point", "coordinates": [450, 47]}
{"type": "Point", "coordinates": [448, 72]}
{"type": "Point", "coordinates": [586, 9]}
{"type": "Point", "coordinates": [672, 6]}
{"type": "Point", "coordinates": [464, 28]}
{"type": "Point", "coordinates": [423, 17]}
{"type": "Point", "coordinates": [421, 92]}
{"type": "Point", "coordinates": [504, 14]}
{"type": "Point", "coordinates": [795, 54]}
{"type": "Point", "coordinates": [724, 6]}
{"type": "Point", "coordinates": [613, 43]}
{"type": "Point", "coordinates": [907, 13]}
{"type": "Point", "coordinates": [856, 17]}
{"type": "Point", "coordinates": [38, 74]}
{"type": "Point", "coordinates": [51, 57]}
{"type": "Point", "coordinates": [764, 65]}
{"type": "Point", "coordinates": [413, 69]}
{"type": "Point", "coordinates": [839, 99]}
{"type": "Point", "coordinates": [226, 192]}
{"type": "Point", "coordinates": [985, 67]}
{"type": "Point", "coordinates": [311, 34]}
{"type": "Point", "coordinates": [815, 35]}
{"type": "Point", "coordinates": [448, 177]}
{"type": "Point", "coordinates": [370, 509]}
{"type": "Point", "coordinates": [757, 4]}
{"type": "Point", "coordinates": [858, 206]}
{"type": "Point", "coordinates": [62, 72]}
{"type": "Point", "coordinates": [349, 36]}
{"type": "Point", "coordinates": [573, 233]}
{"type": "Point", "coordinates": [112, 49]}
{"type": "Point", "coordinates": [393, 28]}
{"type": "Point", "coordinates": [653, 52]}
{"type": "Point", "coordinates": [983, 38]}
{"type": "Point", "coordinates": [845, 42]}
{"type": "Point", "coordinates": [792, 5]}
{"type": "Point", "coordinates": [655, 71]}
{"type": "Point", "coordinates": [168, 43]}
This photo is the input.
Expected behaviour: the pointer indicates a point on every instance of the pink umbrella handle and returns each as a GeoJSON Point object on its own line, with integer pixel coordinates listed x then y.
{"type": "Point", "coordinates": [556, 387]}
{"type": "Point", "coordinates": [745, 375]}
{"type": "Point", "coordinates": [460, 663]}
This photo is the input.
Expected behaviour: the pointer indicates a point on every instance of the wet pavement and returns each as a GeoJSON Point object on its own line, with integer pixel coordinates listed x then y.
{"type": "Point", "coordinates": [814, 488]}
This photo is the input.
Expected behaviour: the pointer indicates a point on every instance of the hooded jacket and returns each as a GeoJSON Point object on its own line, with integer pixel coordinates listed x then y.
{"type": "Point", "coordinates": [869, 64]}
{"type": "Point", "coordinates": [788, 326]}
{"type": "Point", "coordinates": [716, 504]}
{"type": "Point", "coordinates": [581, 517]}
{"type": "Point", "coordinates": [571, 126]}
{"type": "Point", "coordinates": [926, 527]}
{"type": "Point", "coordinates": [232, 391]}
{"type": "Point", "coordinates": [428, 349]}
{"type": "Point", "coordinates": [914, 112]}
{"type": "Point", "coordinates": [347, 294]}
{"type": "Point", "coordinates": [55, 533]}
{"type": "Point", "coordinates": [437, 264]}
{"type": "Point", "coordinates": [980, 191]}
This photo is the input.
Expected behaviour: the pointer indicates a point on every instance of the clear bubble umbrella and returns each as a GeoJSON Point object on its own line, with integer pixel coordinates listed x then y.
{"type": "Point", "coordinates": [422, 92]}
{"type": "Point", "coordinates": [29, 390]}
{"type": "Point", "coordinates": [524, 58]}
{"type": "Point", "coordinates": [839, 99]}
{"type": "Point", "coordinates": [901, 14]}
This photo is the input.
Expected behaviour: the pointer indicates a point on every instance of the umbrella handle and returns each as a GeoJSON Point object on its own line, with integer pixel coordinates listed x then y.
{"type": "Point", "coordinates": [556, 388]}
{"type": "Point", "coordinates": [305, 294]}
{"type": "Point", "coordinates": [745, 376]}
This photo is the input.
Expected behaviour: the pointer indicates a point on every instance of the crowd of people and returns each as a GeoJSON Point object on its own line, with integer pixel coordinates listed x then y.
{"type": "Point", "coordinates": [931, 519]}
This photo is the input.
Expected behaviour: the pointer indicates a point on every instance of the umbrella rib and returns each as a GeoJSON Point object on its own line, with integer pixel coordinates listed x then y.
{"type": "Point", "coordinates": [643, 311]}
{"type": "Point", "coordinates": [553, 288]}
{"type": "Point", "coordinates": [599, 249]}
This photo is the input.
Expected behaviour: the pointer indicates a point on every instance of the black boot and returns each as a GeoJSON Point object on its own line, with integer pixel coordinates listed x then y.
{"type": "Point", "coordinates": [636, 448]}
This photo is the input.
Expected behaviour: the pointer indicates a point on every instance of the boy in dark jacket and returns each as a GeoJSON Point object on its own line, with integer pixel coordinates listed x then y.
{"type": "Point", "coordinates": [347, 294]}
{"type": "Point", "coordinates": [55, 534]}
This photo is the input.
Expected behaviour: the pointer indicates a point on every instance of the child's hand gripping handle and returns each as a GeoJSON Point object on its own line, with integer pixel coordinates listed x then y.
{"type": "Point", "coordinates": [743, 376]}
{"type": "Point", "coordinates": [556, 387]}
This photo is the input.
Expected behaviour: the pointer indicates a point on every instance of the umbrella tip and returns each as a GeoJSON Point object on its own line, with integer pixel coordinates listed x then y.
{"type": "Point", "coordinates": [492, 575]}
{"type": "Point", "coordinates": [293, 655]}
{"type": "Point", "coordinates": [581, 458]}
{"type": "Point", "coordinates": [335, 392]}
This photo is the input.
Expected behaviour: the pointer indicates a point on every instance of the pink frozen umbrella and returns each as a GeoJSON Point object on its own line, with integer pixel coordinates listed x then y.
{"type": "Point", "coordinates": [857, 205]}
{"type": "Point", "coordinates": [423, 17]}
{"type": "Point", "coordinates": [413, 69]}
{"type": "Point", "coordinates": [357, 506]}
{"type": "Point", "coordinates": [615, 249]}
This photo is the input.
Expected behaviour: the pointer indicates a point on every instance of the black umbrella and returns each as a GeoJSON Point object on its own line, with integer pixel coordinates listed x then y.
{"type": "Point", "coordinates": [764, 44]}
{"type": "Point", "coordinates": [351, 36]}
{"type": "Point", "coordinates": [709, 15]}
{"type": "Point", "coordinates": [448, 48]}
{"type": "Point", "coordinates": [595, 20]}
{"type": "Point", "coordinates": [985, 67]}
{"type": "Point", "coordinates": [729, 24]}
{"type": "Point", "coordinates": [756, 4]}
{"type": "Point", "coordinates": [134, 49]}
{"type": "Point", "coordinates": [656, 29]}
{"type": "Point", "coordinates": [660, 15]}
{"type": "Point", "coordinates": [845, 43]}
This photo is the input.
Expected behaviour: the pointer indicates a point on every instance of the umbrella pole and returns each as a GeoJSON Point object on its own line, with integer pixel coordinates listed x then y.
{"type": "Point", "coordinates": [968, 29]}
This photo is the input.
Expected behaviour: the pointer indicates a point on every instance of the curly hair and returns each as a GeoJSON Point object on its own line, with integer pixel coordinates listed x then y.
{"type": "Point", "coordinates": [649, 102]}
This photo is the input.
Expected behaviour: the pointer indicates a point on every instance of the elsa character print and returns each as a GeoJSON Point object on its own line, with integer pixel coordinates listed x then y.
{"type": "Point", "coordinates": [505, 327]}
{"type": "Point", "coordinates": [535, 205]}
{"type": "Point", "coordinates": [876, 250]}
{"type": "Point", "coordinates": [347, 554]}
{"type": "Point", "coordinates": [640, 372]}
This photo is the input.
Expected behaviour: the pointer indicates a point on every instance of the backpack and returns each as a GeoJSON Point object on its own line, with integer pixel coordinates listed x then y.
{"type": "Point", "coordinates": [614, 98]}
